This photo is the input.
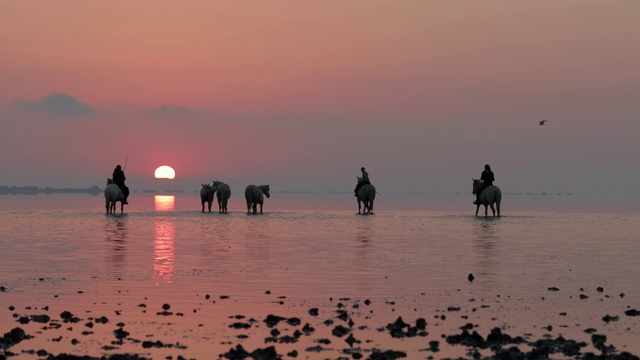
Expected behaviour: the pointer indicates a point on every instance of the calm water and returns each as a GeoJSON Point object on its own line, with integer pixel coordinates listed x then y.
{"type": "Point", "coordinates": [63, 253]}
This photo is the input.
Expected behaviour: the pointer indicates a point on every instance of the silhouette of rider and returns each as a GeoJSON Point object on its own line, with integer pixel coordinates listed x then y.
{"type": "Point", "coordinates": [487, 180]}
{"type": "Point", "coordinates": [118, 179]}
{"type": "Point", "coordinates": [363, 181]}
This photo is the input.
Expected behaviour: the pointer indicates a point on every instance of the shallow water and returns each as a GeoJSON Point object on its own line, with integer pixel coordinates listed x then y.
{"type": "Point", "coordinates": [66, 254]}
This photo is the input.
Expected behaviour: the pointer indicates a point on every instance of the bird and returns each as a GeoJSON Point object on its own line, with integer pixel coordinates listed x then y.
{"type": "Point", "coordinates": [542, 122]}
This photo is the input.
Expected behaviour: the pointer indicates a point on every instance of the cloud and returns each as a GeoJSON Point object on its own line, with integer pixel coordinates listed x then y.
{"type": "Point", "coordinates": [59, 104]}
{"type": "Point", "coordinates": [172, 111]}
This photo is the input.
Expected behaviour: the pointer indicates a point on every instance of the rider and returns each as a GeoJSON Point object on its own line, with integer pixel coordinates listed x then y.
{"type": "Point", "coordinates": [118, 179]}
{"type": "Point", "coordinates": [487, 180]}
{"type": "Point", "coordinates": [363, 181]}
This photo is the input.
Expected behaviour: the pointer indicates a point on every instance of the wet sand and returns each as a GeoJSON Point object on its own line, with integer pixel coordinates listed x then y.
{"type": "Point", "coordinates": [127, 323]}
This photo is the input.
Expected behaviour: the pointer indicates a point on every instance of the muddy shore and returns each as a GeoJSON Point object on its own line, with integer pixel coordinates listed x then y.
{"type": "Point", "coordinates": [272, 326]}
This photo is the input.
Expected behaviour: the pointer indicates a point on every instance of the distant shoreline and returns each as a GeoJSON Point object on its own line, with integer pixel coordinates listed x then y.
{"type": "Point", "coordinates": [34, 190]}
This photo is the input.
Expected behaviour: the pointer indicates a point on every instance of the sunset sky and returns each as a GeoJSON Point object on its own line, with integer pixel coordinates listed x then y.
{"type": "Point", "coordinates": [301, 94]}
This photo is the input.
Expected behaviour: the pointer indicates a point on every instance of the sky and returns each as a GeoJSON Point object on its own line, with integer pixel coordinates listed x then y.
{"type": "Point", "coordinates": [301, 94]}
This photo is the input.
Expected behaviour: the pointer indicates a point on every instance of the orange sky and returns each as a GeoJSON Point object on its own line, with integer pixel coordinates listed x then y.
{"type": "Point", "coordinates": [431, 70]}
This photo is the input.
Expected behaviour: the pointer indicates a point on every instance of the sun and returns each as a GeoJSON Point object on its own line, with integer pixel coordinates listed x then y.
{"type": "Point", "coordinates": [165, 172]}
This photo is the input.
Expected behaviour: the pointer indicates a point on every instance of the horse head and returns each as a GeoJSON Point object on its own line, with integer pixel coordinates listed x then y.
{"type": "Point", "coordinates": [359, 179]}
{"type": "Point", "coordinates": [109, 181]}
{"type": "Point", "coordinates": [476, 185]}
{"type": "Point", "coordinates": [265, 190]}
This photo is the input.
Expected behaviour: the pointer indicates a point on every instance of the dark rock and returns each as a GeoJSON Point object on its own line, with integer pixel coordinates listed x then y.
{"type": "Point", "coordinates": [340, 331]}
{"type": "Point", "coordinates": [273, 320]}
{"type": "Point", "coordinates": [351, 340]}
{"type": "Point", "coordinates": [150, 344]}
{"type": "Point", "coordinates": [386, 355]}
{"type": "Point", "coordinates": [240, 325]}
{"type": "Point", "coordinates": [308, 329]}
{"type": "Point", "coordinates": [317, 349]}
{"type": "Point", "coordinates": [68, 317]}
{"type": "Point", "coordinates": [13, 337]}
{"type": "Point", "coordinates": [470, 277]}
{"type": "Point", "coordinates": [433, 346]}
{"type": "Point", "coordinates": [632, 312]}
{"type": "Point", "coordinates": [120, 333]}
{"type": "Point", "coordinates": [553, 288]}
{"type": "Point", "coordinates": [313, 311]}
{"type": "Point", "coordinates": [43, 319]}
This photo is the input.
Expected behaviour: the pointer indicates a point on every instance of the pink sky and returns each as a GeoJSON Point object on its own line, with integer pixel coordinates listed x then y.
{"type": "Point", "coordinates": [302, 93]}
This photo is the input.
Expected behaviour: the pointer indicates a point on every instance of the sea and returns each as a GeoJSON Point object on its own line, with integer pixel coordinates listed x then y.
{"type": "Point", "coordinates": [310, 278]}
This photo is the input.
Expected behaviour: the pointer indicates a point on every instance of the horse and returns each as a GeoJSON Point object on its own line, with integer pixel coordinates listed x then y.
{"type": "Point", "coordinates": [206, 195]}
{"type": "Point", "coordinates": [112, 194]}
{"type": "Point", "coordinates": [254, 196]}
{"type": "Point", "coordinates": [491, 195]}
{"type": "Point", "coordinates": [365, 196]}
{"type": "Point", "coordinates": [224, 193]}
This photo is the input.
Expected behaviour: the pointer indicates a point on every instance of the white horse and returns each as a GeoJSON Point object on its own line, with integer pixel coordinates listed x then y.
{"type": "Point", "coordinates": [254, 196]}
{"type": "Point", "coordinates": [491, 195]}
{"type": "Point", "coordinates": [112, 194]}
{"type": "Point", "coordinates": [366, 195]}
{"type": "Point", "coordinates": [206, 195]}
{"type": "Point", "coordinates": [224, 193]}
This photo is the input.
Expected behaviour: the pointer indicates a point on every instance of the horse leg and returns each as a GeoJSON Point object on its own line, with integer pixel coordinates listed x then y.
{"type": "Point", "coordinates": [493, 210]}
{"type": "Point", "coordinates": [498, 208]}
{"type": "Point", "coordinates": [260, 208]}
{"type": "Point", "coordinates": [477, 208]}
{"type": "Point", "coordinates": [202, 206]}
{"type": "Point", "coordinates": [121, 207]}
{"type": "Point", "coordinates": [486, 210]}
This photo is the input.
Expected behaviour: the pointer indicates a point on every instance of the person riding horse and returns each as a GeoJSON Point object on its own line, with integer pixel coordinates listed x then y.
{"type": "Point", "coordinates": [487, 180]}
{"type": "Point", "coordinates": [118, 179]}
{"type": "Point", "coordinates": [363, 181]}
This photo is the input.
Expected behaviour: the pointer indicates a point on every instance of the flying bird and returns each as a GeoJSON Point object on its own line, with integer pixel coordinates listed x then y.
{"type": "Point", "coordinates": [542, 122]}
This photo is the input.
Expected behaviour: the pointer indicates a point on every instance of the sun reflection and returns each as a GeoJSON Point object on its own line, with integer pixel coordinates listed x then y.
{"type": "Point", "coordinates": [165, 202]}
{"type": "Point", "coordinates": [163, 242]}
{"type": "Point", "coordinates": [164, 250]}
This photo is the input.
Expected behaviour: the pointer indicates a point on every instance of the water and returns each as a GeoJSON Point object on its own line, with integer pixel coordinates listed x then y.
{"type": "Point", "coordinates": [63, 253]}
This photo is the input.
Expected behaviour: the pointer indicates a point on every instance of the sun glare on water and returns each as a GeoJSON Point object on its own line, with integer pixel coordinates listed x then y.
{"type": "Point", "coordinates": [165, 172]}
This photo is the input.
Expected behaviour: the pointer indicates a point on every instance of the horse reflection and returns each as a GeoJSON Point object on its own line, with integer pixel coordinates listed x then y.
{"type": "Point", "coordinates": [484, 245]}
{"type": "Point", "coordinates": [116, 237]}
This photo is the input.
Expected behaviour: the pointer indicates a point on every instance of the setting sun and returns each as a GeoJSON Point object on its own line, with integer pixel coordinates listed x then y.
{"type": "Point", "coordinates": [165, 172]}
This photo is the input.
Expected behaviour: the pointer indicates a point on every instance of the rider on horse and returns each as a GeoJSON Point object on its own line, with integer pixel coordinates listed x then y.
{"type": "Point", "coordinates": [363, 181]}
{"type": "Point", "coordinates": [487, 180]}
{"type": "Point", "coordinates": [118, 179]}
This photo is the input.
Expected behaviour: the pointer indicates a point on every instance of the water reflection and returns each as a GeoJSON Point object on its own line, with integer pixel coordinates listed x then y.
{"type": "Point", "coordinates": [484, 245]}
{"type": "Point", "coordinates": [116, 238]}
{"type": "Point", "coordinates": [164, 240]}
{"type": "Point", "coordinates": [164, 202]}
